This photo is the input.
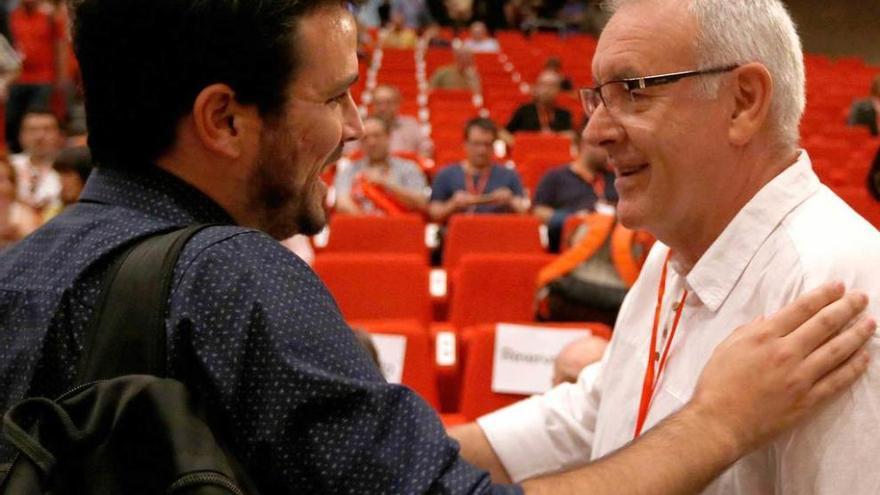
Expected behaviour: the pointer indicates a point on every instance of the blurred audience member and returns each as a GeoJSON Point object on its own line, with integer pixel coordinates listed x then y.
{"type": "Point", "coordinates": [554, 64]}
{"type": "Point", "coordinates": [16, 219]}
{"type": "Point", "coordinates": [39, 185]}
{"type": "Point", "coordinates": [542, 114]}
{"type": "Point", "coordinates": [462, 74]}
{"type": "Point", "coordinates": [368, 13]}
{"type": "Point", "coordinates": [579, 187]}
{"type": "Point", "coordinates": [459, 11]}
{"type": "Point", "coordinates": [414, 13]}
{"type": "Point", "coordinates": [867, 112]}
{"type": "Point", "coordinates": [573, 14]}
{"type": "Point", "coordinates": [73, 165]}
{"type": "Point", "coordinates": [575, 357]}
{"type": "Point", "coordinates": [379, 183]}
{"type": "Point", "coordinates": [476, 185]}
{"type": "Point", "coordinates": [398, 35]}
{"type": "Point", "coordinates": [480, 41]}
{"type": "Point", "coordinates": [40, 38]}
{"type": "Point", "coordinates": [406, 133]}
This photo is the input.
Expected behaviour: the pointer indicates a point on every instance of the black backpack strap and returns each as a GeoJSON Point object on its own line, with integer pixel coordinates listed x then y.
{"type": "Point", "coordinates": [126, 334]}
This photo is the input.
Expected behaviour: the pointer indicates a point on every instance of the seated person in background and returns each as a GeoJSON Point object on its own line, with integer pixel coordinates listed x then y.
{"type": "Point", "coordinates": [553, 64]}
{"type": "Point", "coordinates": [405, 132]}
{"type": "Point", "coordinates": [397, 35]}
{"type": "Point", "coordinates": [39, 186]}
{"type": "Point", "coordinates": [461, 74]}
{"type": "Point", "coordinates": [480, 41]}
{"type": "Point", "coordinates": [476, 185]}
{"type": "Point", "coordinates": [379, 183]}
{"type": "Point", "coordinates": [73, 166]}
{"type": "Point", "coordinates": [542, 114]}
{"type": "Point", "coordinates": [16, 219]}
{"type": "Point", "coordinates": [867, 112]}
{"type": "Point", "coordinates": [578, 187]}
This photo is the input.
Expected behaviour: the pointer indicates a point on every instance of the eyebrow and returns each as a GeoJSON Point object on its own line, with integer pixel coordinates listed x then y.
{"type": "Point", "coordinates": [345, 84]}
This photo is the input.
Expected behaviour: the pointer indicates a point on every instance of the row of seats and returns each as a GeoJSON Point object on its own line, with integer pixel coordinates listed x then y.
{"type": "Point", "coordinates": [461, 388]}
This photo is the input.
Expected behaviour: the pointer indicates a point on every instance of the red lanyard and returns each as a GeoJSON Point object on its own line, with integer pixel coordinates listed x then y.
{"type": "Point", "coordinates": [482, 181]}
{"type": "Point", "coordinates": [544, 117]}
{"type": "Point", "coordinates": [652, 378]}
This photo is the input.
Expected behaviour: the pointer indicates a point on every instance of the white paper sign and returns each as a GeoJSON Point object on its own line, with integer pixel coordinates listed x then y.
{"type": "Point", "coordinates": [391, 350]}
{"type": "Point", "coordinates": [524, 356]}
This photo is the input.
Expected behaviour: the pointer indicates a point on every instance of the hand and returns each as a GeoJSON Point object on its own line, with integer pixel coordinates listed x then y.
{"type": "Point", "coordinates": [502, 196]}
{"type": "Point", "coordinates": [462, 199]}
{"type": "Point", "coordinates": [771, 373]}
{"type": "Point", "coordinates": [374, 177]}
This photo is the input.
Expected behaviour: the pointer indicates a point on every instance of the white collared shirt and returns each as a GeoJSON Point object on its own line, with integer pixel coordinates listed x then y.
{"type": "Point", "coordinates": [792, 236]}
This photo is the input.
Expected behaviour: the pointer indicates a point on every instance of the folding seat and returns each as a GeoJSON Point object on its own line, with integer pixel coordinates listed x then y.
{"type": "Point", "coordinates": [478, 351]}
{"type": "Point", "coordinates": [362, 234]}
{"type": "Point", "coordinates": [419, 370]}
{"type": "Point", "coordinates": [495, 287]}
{"type": "Point", "coordinates": [533, 143]}
{"type": "Point", "coordinates": [532, 169]}
{"type": "Point", "coordinates": [373, 286]}
{"type": "Point", "coordinates": [496, 233]}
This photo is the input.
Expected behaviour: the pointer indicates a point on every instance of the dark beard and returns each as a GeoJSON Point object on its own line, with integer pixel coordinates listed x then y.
{"type": "Point", "coordinates": [281, 210]}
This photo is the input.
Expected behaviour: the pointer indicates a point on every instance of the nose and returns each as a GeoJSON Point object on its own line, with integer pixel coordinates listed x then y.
{"type": "Point", "coordinates": [352, 125]}
{"type": "Point", "coordinates": [602, 129]}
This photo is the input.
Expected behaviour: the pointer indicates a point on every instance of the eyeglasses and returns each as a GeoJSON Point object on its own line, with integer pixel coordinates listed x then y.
{"type": "Point", "coordinates": [621, 97]}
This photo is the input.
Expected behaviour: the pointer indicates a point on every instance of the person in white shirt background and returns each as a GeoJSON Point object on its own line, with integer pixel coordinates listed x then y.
{"type": "Point", "coordinates": [698, 105]}
{"type": "Point", "coordinates": [39, 185]}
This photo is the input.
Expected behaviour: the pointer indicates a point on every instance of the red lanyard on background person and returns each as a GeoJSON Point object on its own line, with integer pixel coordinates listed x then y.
{"type": "Point", "coordinates": [652, 372]}
{"type": "Point", "coordinates": [482, 181]}
{"type": "Point", "coordinates": [544, 117]}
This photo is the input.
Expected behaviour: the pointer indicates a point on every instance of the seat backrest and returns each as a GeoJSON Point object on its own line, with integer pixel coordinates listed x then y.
{"type": "Point", "coordinates": [369, 286]}
{"type": "Point", "coordinates": [419, 371]}
{"type": "Point", "coordinates": [495, 287]}
{"type": "Point", "coordinates": [478, 352]}
{"type": "Point", "coordinates": [404, 234]}
{"type": "Point", "coordinates": [490, 233]}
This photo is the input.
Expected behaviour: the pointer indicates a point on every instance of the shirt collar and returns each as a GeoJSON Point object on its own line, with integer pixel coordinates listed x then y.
{"type": "Point", "coordinates": [156, 192]}
{"type": "Point", "coordinates": [721, 266]}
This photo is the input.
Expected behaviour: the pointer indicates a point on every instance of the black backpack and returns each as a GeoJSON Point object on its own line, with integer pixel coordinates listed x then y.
{"type": "Point", "coordinates": [125, 429]}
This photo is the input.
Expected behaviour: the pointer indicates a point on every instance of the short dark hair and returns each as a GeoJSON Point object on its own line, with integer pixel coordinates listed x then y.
{"type": "Point", "coordinates": [77, 159]}
{"type": "Point", "coordinates": [482, 123]}
{"type": "Point", "coordinates": [143, 62]}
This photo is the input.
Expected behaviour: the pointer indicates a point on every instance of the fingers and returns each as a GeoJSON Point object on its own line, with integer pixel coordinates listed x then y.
{"type": "Point", "coordinates": [804, 307]}
{"type": "Point", "coordinates": [831, 355]}
{"type": "Point", "coordinates": [838, 380]}
{"type": "Point", "coordinates": [827, 322]}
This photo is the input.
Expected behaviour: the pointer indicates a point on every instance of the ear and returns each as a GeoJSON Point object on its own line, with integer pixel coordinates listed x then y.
{"type": "Point", "coordinates": [752, 93]}
{"type": "Point", "coordinates": [222, 124]}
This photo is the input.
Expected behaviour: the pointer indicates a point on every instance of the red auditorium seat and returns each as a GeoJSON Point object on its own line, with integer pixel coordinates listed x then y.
{"type": "Point", "coordinates": [419, 372]}
{"type": "Point", "coordinates": [474, 234]}
{"type": "Point", "coordinates": [535, 143]}
{"type": "Point", "coordinates": [533, 168]}
{"type": "Point", "coordinates": [373, 286]}
{"type": "Point", "coordinates": [364, 234]}
{"type": "Point", "coordinates": [495, 287]}
{"type": "Point", "coordinates": [478, 350]}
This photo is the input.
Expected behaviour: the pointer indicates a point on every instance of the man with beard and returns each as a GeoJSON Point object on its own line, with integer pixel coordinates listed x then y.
{"type": "Point", "coordinates": [226, 112]}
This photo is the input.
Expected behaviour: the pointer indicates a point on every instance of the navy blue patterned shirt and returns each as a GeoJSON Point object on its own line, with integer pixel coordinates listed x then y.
{"type": "Point", "coordinates": [260, 338]}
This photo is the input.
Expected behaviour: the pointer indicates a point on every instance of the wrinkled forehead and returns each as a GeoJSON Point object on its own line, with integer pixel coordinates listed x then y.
{"type": "Point", "coordinates": [644, 38]}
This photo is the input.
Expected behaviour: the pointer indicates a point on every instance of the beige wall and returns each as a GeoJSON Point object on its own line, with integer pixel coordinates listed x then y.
{"type": "Point", "coordinates": [839, 27]}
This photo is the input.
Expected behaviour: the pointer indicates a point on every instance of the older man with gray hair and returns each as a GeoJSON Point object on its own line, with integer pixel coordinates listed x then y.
{"type": "Point", "coordinates": [698, 103]}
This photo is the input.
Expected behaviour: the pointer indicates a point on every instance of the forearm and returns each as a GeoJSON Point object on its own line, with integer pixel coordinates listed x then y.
{"type": "Point", "coordinates": [411, 199]}
{"type": "Point", "coordinates": [681, 455]}
{"type": "Point", "coordinates": [440, 211]}
{"type": "Point", "coordinates": [544, 213]}
{"type": "Point", "coordinates": [476, 449]}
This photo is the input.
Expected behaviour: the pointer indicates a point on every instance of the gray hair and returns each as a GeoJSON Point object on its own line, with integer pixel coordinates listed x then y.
{"type": "Point", "coordinates": [743, 31]}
